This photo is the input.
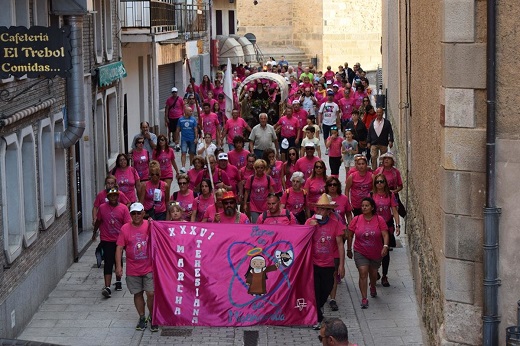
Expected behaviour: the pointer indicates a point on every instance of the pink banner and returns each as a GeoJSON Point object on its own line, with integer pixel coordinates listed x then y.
{"type": "Point", "coordinates": [208, 274]}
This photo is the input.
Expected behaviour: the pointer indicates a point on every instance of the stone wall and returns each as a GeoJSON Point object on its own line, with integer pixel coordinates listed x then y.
{"type": "Point", "coordinates": [337, 31]}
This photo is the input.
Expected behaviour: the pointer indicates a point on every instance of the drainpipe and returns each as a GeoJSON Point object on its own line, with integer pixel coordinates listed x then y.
{"type": "Point", "coordinates": [75, 91]}
{"type": "Point", "coordinates": [491, 282]}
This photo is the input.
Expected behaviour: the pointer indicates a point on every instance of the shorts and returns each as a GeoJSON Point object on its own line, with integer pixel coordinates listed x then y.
{"type": "Point", "coordinates": [362, 261]}
{"type": "Point", "coordinates": [349, 162]}
{"type": "Point", "coordinates": [138, 284]}
{"type": "Point", "coordinates": [172, 124]}
{"type": "Point", "coordinates": [188, 145]}
{"type": "Point", "coordinates": [109, 254]}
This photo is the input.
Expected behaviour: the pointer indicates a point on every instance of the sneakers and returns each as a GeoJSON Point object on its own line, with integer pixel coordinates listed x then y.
{"type": "Point", "coordinates": [317, 326]}
{"type": "Point", "coordinates": [141, 325]}
{"type": "Point", "coordinates": [106, 292]}
{"type": "Point", "coordinates": [364, 303]}
{"type": "Point", "coordinates": [153, 327]}
{"type": "Point", "coordinates": [177, 148]}
{"type": "Point", "coordinates": [373, 291]}
{"type": "Point", "coordinates": [118, 285]}
{"type": "Point", "coordinates": [333, 305]}
{"type": "Point", "coordinates": [182, 170]}
{"type": "Point", "coordinates": [384, 281]}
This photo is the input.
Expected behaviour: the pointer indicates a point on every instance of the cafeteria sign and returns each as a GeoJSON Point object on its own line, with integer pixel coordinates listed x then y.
{"type": "Point", "coordinates": [35, 51]}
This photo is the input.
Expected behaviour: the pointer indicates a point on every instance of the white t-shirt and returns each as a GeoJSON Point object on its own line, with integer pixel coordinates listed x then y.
{"type": "Point", "coordinates": [330, 111]}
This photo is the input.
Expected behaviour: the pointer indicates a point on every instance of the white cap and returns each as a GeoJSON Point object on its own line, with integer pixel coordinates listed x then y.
{"type": "Point", "coordinates": [222, 156]}
{"type": "Point", "coordinates": [296, 102]}
{"type": "Point", "coordinates": [136, 207]}
{"type": "Point", "coordinates": [329, 82]}
{"type": "Point", "coordinates": [174, 90]}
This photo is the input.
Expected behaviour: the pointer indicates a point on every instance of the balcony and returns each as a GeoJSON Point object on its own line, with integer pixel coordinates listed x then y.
{"type": "Point", "coordinates": [163, 17]}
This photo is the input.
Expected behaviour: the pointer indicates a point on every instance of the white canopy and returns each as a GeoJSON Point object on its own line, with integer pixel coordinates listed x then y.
{"type": "Point", "coordinates": [282, 83]}
{"type": "Point", "coordinates": [228, 47]}
{"type": "Point", "coordinates": [247, 47]}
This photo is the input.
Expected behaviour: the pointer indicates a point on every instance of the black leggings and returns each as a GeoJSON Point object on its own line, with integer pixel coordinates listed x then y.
{"type": "Point", "coordinates": [109, 256]}
{"type": "Point", "coordinates": [323, 283]}
{"type": "Point", "coordinates": [335, 164]}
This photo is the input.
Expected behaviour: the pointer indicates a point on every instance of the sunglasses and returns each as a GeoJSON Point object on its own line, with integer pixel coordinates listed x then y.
{"type": "Point", "coordinates": [318, 167]}
{"type": "Point", "coordinates": [309, 148]}
{"type": "Point", "coordinates": [332, 184]}
{"type": "Point", "coordinates": [183, 183]}
{"type": "Point", "coordinates": [140, 142]}
{"type": "Point", "coordinates": [292, 154]}
{"type": "Point", "coordinates": [228, 202]}
{"type": "Point", "coordinates": [162, 140]}
{"type": "Point", "coordinates": [380, 182]}
{"type": "Point", "coordinates": [135, 213]}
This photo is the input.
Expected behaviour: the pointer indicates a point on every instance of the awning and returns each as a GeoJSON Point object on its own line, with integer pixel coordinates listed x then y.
{"type": "Point", "coordinates": [109, 73]}
{"type": "Point", "coordinates": [282, 83]}
{"type": "Point", "coordinates": [247, 47]}
{"type": "Point", "coordinates": [228, 47]}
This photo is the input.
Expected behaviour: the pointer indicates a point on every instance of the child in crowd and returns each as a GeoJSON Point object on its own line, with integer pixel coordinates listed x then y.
{"type": "Point", "coordinates": [175, 212]}
{"type": "Point", "coordinates": [333, 144]}
{"type": "Point", "coordinates": [310, 138]}
{"type": "Point", "coordinates": [349, 148]}
{"type": "Point", "coordinates": [208, 149]}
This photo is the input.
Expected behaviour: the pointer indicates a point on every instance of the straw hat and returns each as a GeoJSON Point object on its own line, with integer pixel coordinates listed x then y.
{"type": "Point", "coordinates": [387, 154]}
{"type": "Point", "coordinates": [325, 201]}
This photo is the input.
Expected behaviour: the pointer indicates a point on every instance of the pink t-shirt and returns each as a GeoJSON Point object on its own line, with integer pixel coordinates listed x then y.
{"type": "Point", "coordinates": [306, 165]}
{"type": "Point", "coordinates": [289, 126]}
{"type": "Point", "coordinates": [233, 175]}
{"type": "Point", "coordinates": [315, 187]}
{"type": "Point", "coordinates": [187, 203]}
{"type": "Point", "coordinates": [369, 241]}
{"type": "Point", "coordinates": [384, 205]}
{"type": "Point", "coordinates": [140, 161]}
{"type": "Point", "coordinates": [289, 170]}
{"type": "Point", "coordinates": [358, 98]}
{"type": "Point", "coordinates": [276, 176]}
{"type": "Point", "coordinates": [219, 176]}
{"type": "Point", "coordinates": [392, 175]}
{"type": "Point", "coordinates": [246, 174]}
{"type": "Point", "coordinates": [238, 158]}
{"type": "Point", "coordinates": [150, 200]}
{"type": "Point", "coordinates": [301, 115]}
{"type": "Point", "coordinates": [343, 206]}
{"type": "Point", "coordinates": [361, 187]}
{"type": "Point", "coordinates": [210, 124]}
{"type": "Point", "coordinates": [112, 219]}
{"type": "Point", "coordinates": [126, 179]}
{"type": "Point", "coordinates": [165, 159]}
{"type": "Point", "coordinates": [295, 201]}
{"type": "Point", "coordinates": [136, 241]}
{"type": "Point", "coordinates": [335, 146]}
{"type": "Point", "coordinates": [211, 211]}
{"type": "Point", "coordinates": [281, 219]}
{"type": "Point", "coordinates": [324, 241]}
{"type": "Point", "coordinates": [202, 205]}
{"type": "Point", "coordinates": [234, 127]}
{"type": "Point", "coordinates": [347, 106]}
{"type": "Point", "coordinates": [258, 192]}
{"type": "Point", "coordinates": [102, 198]}
{"type": "Point", "coordinates": [193, 174]}
{"type": "Point", "coordinates": [176, 111]}
{"type": "Point", "coordinates": [329, 75]}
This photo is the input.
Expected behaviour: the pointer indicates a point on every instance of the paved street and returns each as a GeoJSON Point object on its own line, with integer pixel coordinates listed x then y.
{"type": "Point", "coordinates": [75, 313]}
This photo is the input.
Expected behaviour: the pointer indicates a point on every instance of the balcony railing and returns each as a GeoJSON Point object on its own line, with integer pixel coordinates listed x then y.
{"type": "Point", "coordinates": [159, 16]}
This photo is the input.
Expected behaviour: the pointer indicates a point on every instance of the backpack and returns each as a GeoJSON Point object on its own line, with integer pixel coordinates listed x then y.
{"type": "Point", "coordinates": [287, 215]}
{"type": "Point", "coordinates": [304, 196]}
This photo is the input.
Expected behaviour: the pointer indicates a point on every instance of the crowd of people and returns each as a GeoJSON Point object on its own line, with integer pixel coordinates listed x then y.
{"type": "Point", "coordinates": [280, 178]}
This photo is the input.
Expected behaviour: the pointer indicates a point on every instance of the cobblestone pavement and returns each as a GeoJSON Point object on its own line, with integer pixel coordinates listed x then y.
{"type": "Point", "coordinates": [75, 313]}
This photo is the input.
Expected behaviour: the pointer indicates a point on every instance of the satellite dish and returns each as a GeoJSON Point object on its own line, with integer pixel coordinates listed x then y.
{"type": "Point", "coordinates": [251, 37]}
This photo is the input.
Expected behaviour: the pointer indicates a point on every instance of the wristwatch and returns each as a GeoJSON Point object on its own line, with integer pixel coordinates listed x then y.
{"type": "Point", "coordinates": [385, 246]}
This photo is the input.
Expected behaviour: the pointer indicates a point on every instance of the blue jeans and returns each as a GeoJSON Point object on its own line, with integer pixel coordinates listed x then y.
{"type": "Point", "coordinates": [259, 153]}
{"type": "Point", "coordinates": [185, 145]}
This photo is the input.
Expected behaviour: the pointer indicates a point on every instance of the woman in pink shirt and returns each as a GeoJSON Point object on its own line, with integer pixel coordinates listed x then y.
{"type": "Point", "coordinates": [185, 197]}
{"type": "Point", "coordinates": [166, 157]}
{"type": "Point", "coordinates": [393, 177]}
{"type": "Point", "coordinates": [258, 186]}
{"type": "Point", "coordinates": [127, 178]}
{"type": "Point", "coordinates": [371, 233]}
{"type": "Point", "coordinates": [153, 194]}
{"type": "Point", "coordinates": [288, 166]}
{"type": "Point", "coordinates": [204, 87]}
{"type": "Point", "coordinates": [333, 145]}
{"type": "Point", "coordinates": [275, 171]}
{"type": "Point", "coordinates": [198, 166]}
{"type": "Point", "coordinates": [141, 159]}
{"type": "Point", "coordinates": [205, 200]}
{"type": "Point", "coordinates": [315, 184]}
{"type": "Point", "coordinates": [386, 206]}
{"type": "Point", "coordinates": [295, 199]}
{"type": "Point", "coordinates": [358, 184]}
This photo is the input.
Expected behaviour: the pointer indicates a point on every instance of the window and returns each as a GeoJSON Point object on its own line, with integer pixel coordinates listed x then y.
{"type": "Point", "coordinates": [12, 201]}
{"type": "Point", "coordinates": [46, 166]}
{"type": "Point", "coordinates": [218, 22]}
{"type": "Point", "coordinates": [41, 12]}
{"type": "Point", "coordinates": [231, 18]}
{"type": "Point", "coordinates": [29, 186]}
{"type": "Point", "coordinates": [100, 141]}
{"type": "Point", "coordinates": [60, 164]}
{"type": "Point", "coordinates": [112, 123]}
{"type": "Point", "coordinates": [107, 16]}
{"type": "Point", "coordinates": [98, 30]}
{"type": "Point", "coordinates": [7, 13]}
{"type": "Point", "coordinates": [22, 13]}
